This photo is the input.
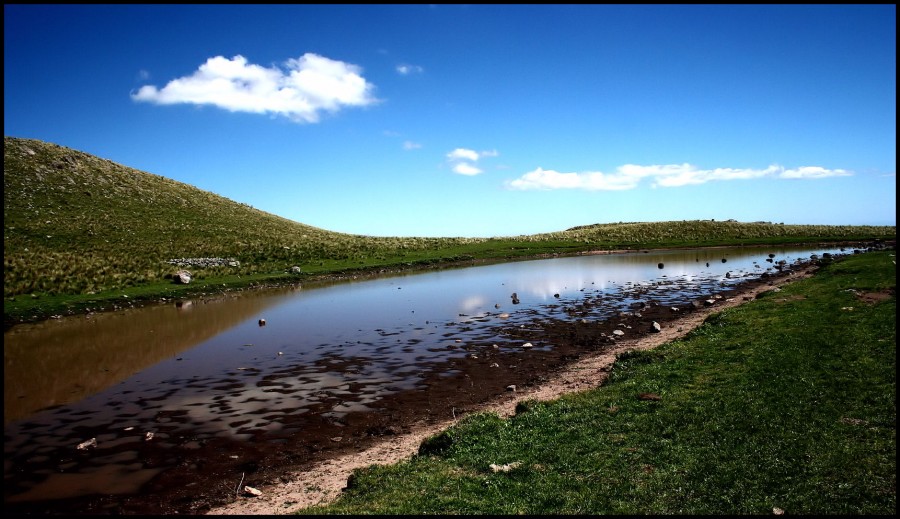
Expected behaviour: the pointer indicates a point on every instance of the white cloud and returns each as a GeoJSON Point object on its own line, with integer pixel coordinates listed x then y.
{"type": "Point", "coordinates": [410, 145]}
{"type": "Point", "coordinates": [463, 160]}
{"type": "Point", "coordinates": [814, 172]}
{"type": "Point", "coordinates": [592, 181]}
{"type": "Point", "coordinates": [310, 85]}
{"type": "Point", "coordinates": [464, 168]}
{"type": "Point", "coordinates": [463, 154]}
{"type": "Point", "coordinates": [630, 176]}
{"type": "Point", "coordinates": [405, 70]}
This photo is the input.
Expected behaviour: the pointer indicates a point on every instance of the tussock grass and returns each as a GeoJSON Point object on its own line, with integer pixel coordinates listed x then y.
{"type": "Point", "coordinates": [787, 402]}
{"type": "Point", "coordinates": [79, 228]}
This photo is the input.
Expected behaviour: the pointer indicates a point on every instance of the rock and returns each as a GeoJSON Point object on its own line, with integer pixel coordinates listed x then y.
{"type": "Point", "coordinates": [262, 322]}
{"type": "Point", "coordinates": [183, 277]}
{"type": "Point", "coordinates": [204, 262]}
{"type": "Point", "coordinates": [252, 491]}
{"type": "Point", "coordinates": [85, 445]}
{"type": "Point", "coordinates": [655, 327]}
{"type": "Point", "coordinates": [505, 467]}
{"type": "Point", "coordinates": [295, 270]}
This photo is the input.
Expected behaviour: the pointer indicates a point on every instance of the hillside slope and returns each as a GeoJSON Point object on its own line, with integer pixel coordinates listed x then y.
{"type": "Point", "coordinates": [76, 224]}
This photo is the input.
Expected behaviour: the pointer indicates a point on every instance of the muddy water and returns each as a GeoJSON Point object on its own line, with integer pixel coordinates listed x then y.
{"type": "Point", "coordinates": [184, 375]}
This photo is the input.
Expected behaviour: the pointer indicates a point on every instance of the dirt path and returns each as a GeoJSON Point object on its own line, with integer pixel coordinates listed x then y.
{"type": "Point", "coordinates": [324, 482]}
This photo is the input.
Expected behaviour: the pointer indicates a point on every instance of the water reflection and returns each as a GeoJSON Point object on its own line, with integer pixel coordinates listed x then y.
{"type": "Point", "coordinates": [213, 370]}
{"type": "Point", "coordinates": [62, 361]}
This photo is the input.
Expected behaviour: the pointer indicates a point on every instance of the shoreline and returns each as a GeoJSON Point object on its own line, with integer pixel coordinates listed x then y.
{"type": "Point", "coordinates": [323, 482]}
{"type": "Point", "coordinates": [325, 279]}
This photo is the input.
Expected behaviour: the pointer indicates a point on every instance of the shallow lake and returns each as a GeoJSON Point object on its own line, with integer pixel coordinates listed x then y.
{"type": "Point", "coordinates": [185, 373]}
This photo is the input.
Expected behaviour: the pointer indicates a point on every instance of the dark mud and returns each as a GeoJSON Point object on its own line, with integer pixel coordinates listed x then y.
{"type": "Point", "coordinates": [198, 472]}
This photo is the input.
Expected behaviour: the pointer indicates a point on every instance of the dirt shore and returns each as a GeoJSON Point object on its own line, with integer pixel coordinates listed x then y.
{"type": "Point", "coordinates": [324, 481]}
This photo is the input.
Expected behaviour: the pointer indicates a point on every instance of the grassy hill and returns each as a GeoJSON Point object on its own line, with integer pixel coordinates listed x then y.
{"type": "Point", "coordinates": [81, 228]}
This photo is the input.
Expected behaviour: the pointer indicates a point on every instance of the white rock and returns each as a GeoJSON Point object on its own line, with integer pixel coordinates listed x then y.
{"type": "Point", "coordinates": [87, 444]}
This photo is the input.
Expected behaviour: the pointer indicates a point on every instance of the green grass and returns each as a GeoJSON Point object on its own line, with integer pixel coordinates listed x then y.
{"type": "Point", "coordinates": [788, 402]}
{"type": "Point", "coordinates": [80, 232]}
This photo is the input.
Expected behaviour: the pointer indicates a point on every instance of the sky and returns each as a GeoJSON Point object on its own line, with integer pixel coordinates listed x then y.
{"type": "Point", "coordinates": [476, 120]}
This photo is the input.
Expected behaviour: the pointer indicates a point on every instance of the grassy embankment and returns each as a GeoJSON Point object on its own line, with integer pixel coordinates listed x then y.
{"type": "Point", "coordinates": [83, 233]}
{"type": "Point", "coordinates": [786, 403]}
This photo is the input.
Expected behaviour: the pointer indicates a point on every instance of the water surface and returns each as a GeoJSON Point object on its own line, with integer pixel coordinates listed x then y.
{"type": "Point", "coordinates": [184, 373]}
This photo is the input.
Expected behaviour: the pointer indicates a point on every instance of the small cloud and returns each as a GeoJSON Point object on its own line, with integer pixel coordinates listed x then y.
{"type": "Point", "coordinates": [630, 176]}
{"type": "Point", "coordinates": [464, 168]}
{"type": "Point", "coordinates": [462, 160]}
{"type": "Point", "coordinates": [143, 75]}
{"type": "Point", "coordinates": [405, 69]}
{"type": "Point", "coordinates": [308, 86]}
{"type": "Point", "coordinates": [814, 172]}
{"type": "Point", "coordinates": [410, 145]}
{"type": "Point", "coordinates": [463, 154]}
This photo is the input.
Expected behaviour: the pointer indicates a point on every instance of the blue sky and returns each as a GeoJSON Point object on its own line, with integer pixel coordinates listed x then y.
{"type": "Point", "coordinates": [477, 120]}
